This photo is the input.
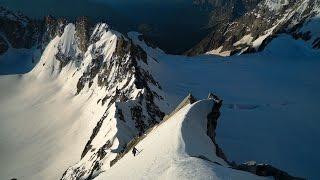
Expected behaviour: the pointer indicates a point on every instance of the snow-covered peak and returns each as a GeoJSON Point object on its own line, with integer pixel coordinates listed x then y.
{"type": "Point", "coordinates": [115, 74]}
{"type": "Point", "coordinates": [61, 51]}
{"type": "Point", "coordinates": [110, 77]}
{"type": "Point", "coordinates": [67, 44]}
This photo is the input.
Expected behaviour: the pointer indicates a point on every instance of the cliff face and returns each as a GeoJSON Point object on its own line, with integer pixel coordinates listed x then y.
{"type": "Point", "coordinates": [256, 28]}
{"type": "Point", "coordinates": [18, 30]}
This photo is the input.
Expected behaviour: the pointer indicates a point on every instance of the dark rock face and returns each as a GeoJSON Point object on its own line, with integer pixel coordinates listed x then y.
{"type": "Point", "coordinates": [83, 33]}
{"type": "Point", "coordinates": [222, 11]}
{"type": "Point", "coordinates": [3, 45]}
{"type": "Point", "coordinates": [212, 124]}
{"type": "Point", "coordinates": [20, 31]}
{"type": "Point", "coordinates": [265, 170]}
{"type": "Point", "coordinates": [260, 21]}
{"type": "Point", "coordinates": [52, 27]}
{"type": "Point", "coordinates": [149, 42]}
{"type": "Point", "coordinates": [93, 135]}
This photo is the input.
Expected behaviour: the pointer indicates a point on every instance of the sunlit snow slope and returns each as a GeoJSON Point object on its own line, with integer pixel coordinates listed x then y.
{"type": "Point", "coordinates": [43, 125]}
{"type": "Point", "coordinates": [172, 150]}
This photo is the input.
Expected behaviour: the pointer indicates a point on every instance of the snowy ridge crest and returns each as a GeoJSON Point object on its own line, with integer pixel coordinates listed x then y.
{"type": "Point", "coordinates": [114, 72]}
{"type": "Point", "coordinates": [172, 136]}
{"type": "Point", "coordinates": [177, 140]}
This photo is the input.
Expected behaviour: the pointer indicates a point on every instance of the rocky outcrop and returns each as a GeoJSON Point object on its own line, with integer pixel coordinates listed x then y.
{"type": "Point", "coordinates": [52, 27]}
{"type": "Point", "coordinates": [4, 46]}
{"type": "Point", "coordinates": [256, 28]}
{"type": "Point", "coordinates": [222, 12]}
{"type": "Point", "coordinates": [265, 170]}
{"type": "Point", "coordinates": [212, 124]}
{"type": "Point", "coordinates": [19, 30]}
{"type": "Point", "coordinates": [83, 33]}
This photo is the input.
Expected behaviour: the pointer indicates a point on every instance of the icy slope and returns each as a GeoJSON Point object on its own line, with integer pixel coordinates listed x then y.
{"type": "Point", "coordinates": [172, 150]}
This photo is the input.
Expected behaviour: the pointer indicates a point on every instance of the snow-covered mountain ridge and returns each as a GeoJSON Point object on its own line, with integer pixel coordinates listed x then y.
{"type": "Point", "coordinates": [255, 29]}
{"type": "Point", "coordinates": [131, 98]}
{"type": "Point", "coordinates": [104, 89]}
{"type": "Point", "coordinates": [171, 150]}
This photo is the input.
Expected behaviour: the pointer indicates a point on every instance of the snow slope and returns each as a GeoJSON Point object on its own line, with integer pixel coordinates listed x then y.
{"type": "Point", "coordinates": [171, 150]}
{"type": "Point", "coordinates": [270, 111]}
{"type": "Point", "coordinates": [41, 126]}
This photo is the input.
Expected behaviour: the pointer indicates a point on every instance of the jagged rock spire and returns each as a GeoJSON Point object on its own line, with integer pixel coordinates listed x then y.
{"type": "Point", "coordinates": [214, 97]}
